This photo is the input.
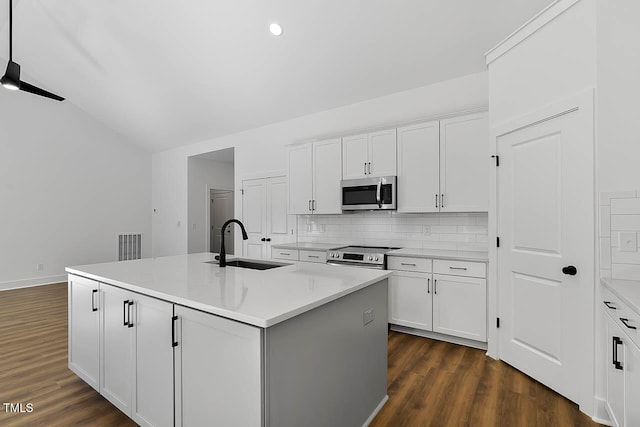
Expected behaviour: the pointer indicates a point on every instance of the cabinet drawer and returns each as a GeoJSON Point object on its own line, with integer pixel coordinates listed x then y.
{"type": "Point", "coordinates": [409, 264]}
{"type": "Point", "coordinates": [460, 268]}
{"type": "Point", "coordinates": [627, 319]}
{"type": "Point", "coordinates": [290, 254]}
{"type": "Point", "coordinates": [313, 256]}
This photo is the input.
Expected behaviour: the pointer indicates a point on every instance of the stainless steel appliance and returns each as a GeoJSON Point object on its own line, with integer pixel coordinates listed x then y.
{"type": "Point", "coordinates": [360, 256]}
{"type": "Point", "coordinates": [369, 193]}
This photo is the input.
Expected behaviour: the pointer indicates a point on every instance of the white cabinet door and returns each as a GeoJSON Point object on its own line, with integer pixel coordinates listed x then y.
{"type": "Point", "coordinates": [218, 371]}
{"type": "Point", "coordinates": [464, 163]}
{"type": "Point", "coordinates": [84, 329]}
{"type": "Point", "coordinates": [355, 156]}
{"type": "Point", "coordinates": [116, 371]}
{"type": "Point", "coordinates": [153, 396]}
{"type": "Point", "coordinates": [410, 299]}
{"type": "Point", "coordinates": [460, 306]}
{"type": "Point", "coordinates": [382, 153]}
{"type": "Point", "coordinates": [632, 385]}
{"type": "Point", "coordinates": [418, 168]}
{"type": "Point", "coordinates": [327, 173]}
{"type": "Point", "coordinates": [615, 372]}
{"type": "Point", "coordinates": [264, 215]}
{"type": "Point", "coordinates": [300, 179]}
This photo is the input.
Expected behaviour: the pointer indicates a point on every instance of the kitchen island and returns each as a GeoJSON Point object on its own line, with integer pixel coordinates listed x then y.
{"type": "Point", "coordinates": [179, 338]}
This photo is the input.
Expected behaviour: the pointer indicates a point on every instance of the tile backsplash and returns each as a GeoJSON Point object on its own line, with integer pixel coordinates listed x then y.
{"type": "Point", "coordinates": [620, 235]}
{"type": "Point", "coordinates": [452, 231]}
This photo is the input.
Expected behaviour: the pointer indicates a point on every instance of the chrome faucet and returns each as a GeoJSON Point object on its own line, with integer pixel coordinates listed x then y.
{"type": "Point", "coordinates": [223, 254]}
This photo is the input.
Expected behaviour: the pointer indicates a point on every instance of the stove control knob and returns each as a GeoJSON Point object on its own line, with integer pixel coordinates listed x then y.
{"type": "Point", "coordinates": [376, 259]}
{"type": "Point", "coordinates": [370, 258]}
{"type": "Point", "coordinates": [332, 255]}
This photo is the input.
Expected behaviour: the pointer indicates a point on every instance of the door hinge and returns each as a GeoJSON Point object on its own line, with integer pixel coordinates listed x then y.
{"type": "Point", "coordinates": [495, 156]}
{"type": "Point", "coordinates": [497, 322]}
{"type": "Point", "coordinates": [242, 191]}
{"type": "Point", "coordinates": [497, 241]}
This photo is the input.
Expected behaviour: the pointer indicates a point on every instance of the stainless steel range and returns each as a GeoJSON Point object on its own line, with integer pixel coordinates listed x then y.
{"type": "Point", "coordinates": [360, 256]}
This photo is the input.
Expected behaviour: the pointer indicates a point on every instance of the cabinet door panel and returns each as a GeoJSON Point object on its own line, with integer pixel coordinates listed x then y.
{"type": "Point", "coordinates": [84, 329]}
{"type": "Point", "coordinates": [117, 345]}
{"type": "Point", "coordinates": [464, 163]}
{"type": "Point", "coordinates": [418, 168]}
{"type": "Point", "coordinates": [300, 179]}
{"type": "Point", "coordinates": [382, 153]}
{"type": "Point", "coordinates": [410, 300]}
{"type": "Point", "coordinates": [632, 385]}
{"type": "Point", "coordinates": [218, 371]}
{"type": "Point", "coordinates": [460, 306]}
{"type": "Point", "coordinates": [153, 393]}
{"type": "Point", "coordinates": [615, 377]}
{"type": "Point", "coordinates": [327, 173]}
{"type": "Point", "coordinates": [354, 156]}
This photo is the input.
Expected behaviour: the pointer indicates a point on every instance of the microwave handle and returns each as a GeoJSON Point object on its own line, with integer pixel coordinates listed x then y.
{"type": "Point", "coordinates": [378, 194]}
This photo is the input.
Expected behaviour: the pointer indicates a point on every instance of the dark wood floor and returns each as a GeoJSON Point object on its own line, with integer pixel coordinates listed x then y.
{"type": "Point", "coordinates": [431, 383]}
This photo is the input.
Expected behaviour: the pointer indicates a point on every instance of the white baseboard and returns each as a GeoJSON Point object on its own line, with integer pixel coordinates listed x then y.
{"type": "Point", "coordinates": [600, 415]}
{"type": "Point", "coordinates": [38, 281]}
{"type": "Point", "coordinates": [440, 337]}
{"type": "Point", "coordinates": [375, 411]}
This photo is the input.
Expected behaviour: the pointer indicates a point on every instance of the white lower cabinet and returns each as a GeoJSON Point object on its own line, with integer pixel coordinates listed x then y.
{"type": "Point", "coordinates": [442, 303]}
{"type": "Point", "coordinates": [136, 372]}
{"type": "Point", "coordinates": [84, 329]}
{"type": "Point", "coordinates": [218, 371]}
{"type": "Point", "coordinates": [622, 364]}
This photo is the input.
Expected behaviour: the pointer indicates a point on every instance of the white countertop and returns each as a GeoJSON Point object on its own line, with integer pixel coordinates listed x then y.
{"type": "Point", "coordinates": [476, 256]}
{"type": "Point", "coordinates": [627, 290]}
{"type": "Point", "coordinates": [257, 297]}
{"type": "Point", "coordinates": [309, 246]}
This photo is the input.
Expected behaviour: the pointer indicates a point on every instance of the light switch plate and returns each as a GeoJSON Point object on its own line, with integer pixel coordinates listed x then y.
{"type": "Point", "coordinates": [627, 241]}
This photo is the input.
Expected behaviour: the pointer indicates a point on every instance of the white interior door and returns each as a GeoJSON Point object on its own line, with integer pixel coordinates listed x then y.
{"type": "Point", "coordinates": [254, 217]}
{"type": "Point", "coordinates": [276, 220]}
{"type": "Point", "coordinates": [221, 209]}
{"type": "Point", "coordinates": [546, 222]}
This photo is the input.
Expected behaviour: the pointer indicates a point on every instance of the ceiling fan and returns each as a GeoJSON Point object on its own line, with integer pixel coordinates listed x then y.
{"type": "Point", "coordinates": [11, 79]}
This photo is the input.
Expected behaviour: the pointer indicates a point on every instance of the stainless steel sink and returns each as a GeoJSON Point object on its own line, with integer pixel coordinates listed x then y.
{"type": "Point", "coordinates": [251, 264]}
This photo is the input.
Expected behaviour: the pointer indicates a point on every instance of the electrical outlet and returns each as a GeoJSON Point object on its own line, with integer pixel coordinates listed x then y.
{"type": "Point", "coordinates": [367, 316]}
{"type": "Point", "coordinates": [40, 267]}
{"type": "Point", "coordinates": [627, 241]}
{"type": "Point", "coordinates": [426, 230]}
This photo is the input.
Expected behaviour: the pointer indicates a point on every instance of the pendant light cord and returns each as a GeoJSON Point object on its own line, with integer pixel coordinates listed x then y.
{"type": "Point", "coordinates": [10, 30]}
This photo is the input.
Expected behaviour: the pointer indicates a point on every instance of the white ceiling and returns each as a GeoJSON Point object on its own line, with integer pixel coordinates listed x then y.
{"type": "Point", "coordinates": [167, 73]}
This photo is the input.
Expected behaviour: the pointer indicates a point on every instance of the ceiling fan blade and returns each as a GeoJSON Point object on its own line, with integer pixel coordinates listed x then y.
{"type": "Point", "coordinates": [37, 91]}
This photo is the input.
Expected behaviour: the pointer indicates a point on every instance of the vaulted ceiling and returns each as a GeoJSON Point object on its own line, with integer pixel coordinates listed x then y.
{"type": "Point", "coordinates": [166, 73]}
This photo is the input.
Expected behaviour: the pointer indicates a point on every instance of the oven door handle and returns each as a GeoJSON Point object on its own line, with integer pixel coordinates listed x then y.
{"type": "Point", "coordinates": [378, 193]}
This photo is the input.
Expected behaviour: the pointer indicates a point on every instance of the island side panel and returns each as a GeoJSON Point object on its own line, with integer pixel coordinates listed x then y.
{"type": "Point", "coordinates": [325, 366]}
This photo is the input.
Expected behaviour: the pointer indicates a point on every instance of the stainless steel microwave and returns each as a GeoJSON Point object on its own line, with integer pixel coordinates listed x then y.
{"type": "Point", "coordinates": [369, 193]}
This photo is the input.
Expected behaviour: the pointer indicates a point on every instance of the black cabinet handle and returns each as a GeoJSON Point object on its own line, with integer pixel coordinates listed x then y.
{"type": "Point", "coordinates": [442, 200]}
{"type": "Point", "coordinates": [93, 300]}
{"type": "Point", "coordinates": [268, 239]}
{"type": "Point", "coordinates": [570, 270]}
{"type": "Point", "coordinates": [125, 322]}
{"type": "Point", "coordinates": [130, 324]}
{"type": "Point", "coordinates": [263, 239]}
{"type": "Point", "coordinates": [174, 343]}
{"type": "Point", "coordinates": [609, 306]}
{"type": "Point", "coordinates": [435, 286]}
{"type": "Point", "coordinates": [428, 283]}
{"type": "Point", "coordinates": [616, 362]}
{"type": "Point", "coordinates": [436, 200]}
{"type": "Point", "coordinates": [625, 321]}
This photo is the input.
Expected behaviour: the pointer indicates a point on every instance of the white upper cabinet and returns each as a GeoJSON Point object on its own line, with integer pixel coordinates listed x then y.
{"type": "Point", "coordinates": [418, 167]}
{"type": "Point", "coordinates": [444, 166]}
{"type": "Point", "coordinates": [464, 163]}
{"type": "Point", "coordinates": [315, 171]}
{"type": "Point", "coordinates": [369, 155]}
{"type": "Point", "coordinates": [300, 179]}
{"type": "Point", "coordinates": [327, 173]}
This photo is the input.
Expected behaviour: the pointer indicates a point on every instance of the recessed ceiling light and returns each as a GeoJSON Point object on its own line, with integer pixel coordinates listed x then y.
{"type": "Point", "coordinates": [275, 29]}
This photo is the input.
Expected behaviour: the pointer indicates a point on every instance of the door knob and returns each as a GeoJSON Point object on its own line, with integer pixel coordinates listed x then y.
{"type": "Point", "coordinates": [570, 270]}
{"type": "Point", "coordinates": [263, 239]}
{"type": "Point", "coordinates": [268, 239]}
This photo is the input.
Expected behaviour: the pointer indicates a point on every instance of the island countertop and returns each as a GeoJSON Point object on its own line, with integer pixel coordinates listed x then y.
{"type": "Point", "coordinates": [261, 298]}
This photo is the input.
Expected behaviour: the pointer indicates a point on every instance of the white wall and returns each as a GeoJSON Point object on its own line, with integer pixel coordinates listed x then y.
{"type": "Point", "coordinates": [203, 175]}
{"type": "Point", "coordinates": [618, 106]}
{"type": "Point", "coordinates": [261, 152]}
{"type": "Point", "coordinates": [68, 186]}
